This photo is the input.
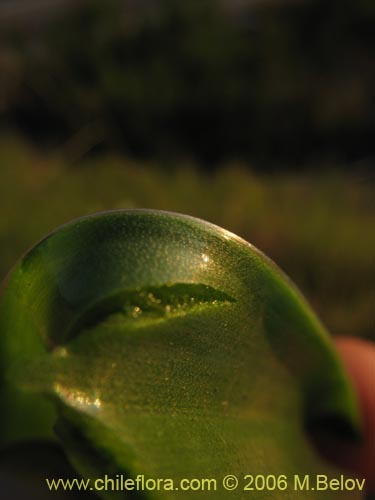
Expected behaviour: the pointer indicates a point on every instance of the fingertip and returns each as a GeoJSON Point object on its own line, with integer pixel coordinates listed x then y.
{"type": "Point", "coordinates": [358, 356]}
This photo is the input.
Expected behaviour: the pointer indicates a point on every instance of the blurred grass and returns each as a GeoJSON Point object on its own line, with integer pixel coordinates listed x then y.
{"type": "Point", "coordinates": [318, 227]}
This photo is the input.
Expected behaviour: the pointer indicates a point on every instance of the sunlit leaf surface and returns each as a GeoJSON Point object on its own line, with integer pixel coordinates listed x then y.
{"type": "Point", "coordinates": [163, 345]}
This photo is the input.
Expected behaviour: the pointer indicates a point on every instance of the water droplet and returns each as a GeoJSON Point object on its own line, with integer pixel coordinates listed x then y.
{"type": "Point", "coordinates": [136, 312]}
{"type": "Point", "coordinates": [205, 257]}
{"type": "Point", "coordinates": [77, 398]}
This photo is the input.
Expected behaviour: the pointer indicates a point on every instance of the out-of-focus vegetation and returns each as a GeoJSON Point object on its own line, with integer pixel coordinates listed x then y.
{"type": "Point", "coordinates": [318, 228]}
{"type": "Point", "coordinates": [271, 82]}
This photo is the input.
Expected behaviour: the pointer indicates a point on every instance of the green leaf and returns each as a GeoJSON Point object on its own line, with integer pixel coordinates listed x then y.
{"type": "Point", "coordinates": [166, 346]}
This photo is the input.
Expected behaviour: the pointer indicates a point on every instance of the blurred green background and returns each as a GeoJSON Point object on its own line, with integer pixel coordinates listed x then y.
{"type": "Point", "coordinates": [258, 116]}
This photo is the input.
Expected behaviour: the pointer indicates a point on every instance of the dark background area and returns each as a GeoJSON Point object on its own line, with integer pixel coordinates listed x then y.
{"type": "Point", "coordinates": [277, 83]}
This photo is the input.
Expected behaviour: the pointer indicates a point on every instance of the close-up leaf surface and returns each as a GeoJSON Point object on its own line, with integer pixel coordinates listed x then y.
{"type": "Point", "coordinates": [158, 344]}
